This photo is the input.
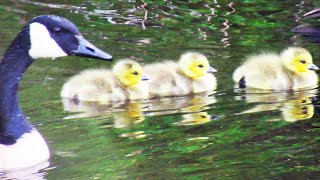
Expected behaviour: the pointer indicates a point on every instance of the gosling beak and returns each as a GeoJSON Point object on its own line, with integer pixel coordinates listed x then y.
{"type": "Point", "coordinates": [211, 70]}
{"type": "Point", "coordinates": [145, 78]}
{"type": "Point", "coordinates": [313, 67]}
{"type": "Point", "coordinates": [213, 117]}
{"type": "Point", "coordinates": [86, 49]}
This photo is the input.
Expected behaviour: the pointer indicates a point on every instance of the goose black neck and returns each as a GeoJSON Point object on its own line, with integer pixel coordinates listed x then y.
{"type": "Point", "coordinates": [14, 63]}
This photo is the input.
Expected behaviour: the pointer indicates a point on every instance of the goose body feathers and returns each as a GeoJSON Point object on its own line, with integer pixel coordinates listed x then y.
{"type": "Point", "coordinates": [47, 36]}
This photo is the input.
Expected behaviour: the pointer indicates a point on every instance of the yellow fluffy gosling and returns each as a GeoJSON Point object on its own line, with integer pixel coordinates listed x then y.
{"type": "Point", "coordinates": [189, 75]}
{"type": "Point", "coordinates": [125, 81]}
{"type": "Point", "coordinates": [292, 69]}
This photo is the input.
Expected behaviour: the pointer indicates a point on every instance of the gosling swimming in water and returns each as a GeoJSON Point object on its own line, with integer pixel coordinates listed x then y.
{"type": "Point", "coordinates": [192, 74]}
{"type": "Point", "coordinates": [292, 69]}
{"type": "Point", "coordinates": [125, 82]}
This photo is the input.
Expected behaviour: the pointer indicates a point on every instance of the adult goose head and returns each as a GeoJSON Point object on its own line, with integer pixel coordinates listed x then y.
{"type": "Point", "coordinates": [46, 36]}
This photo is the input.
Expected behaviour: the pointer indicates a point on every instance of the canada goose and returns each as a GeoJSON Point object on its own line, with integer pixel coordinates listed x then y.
{"type": "Point", "coordinates": [46, 36]}
{"type": "Point", "coordinates": [292, 69]}
{"type": "Point", "coordinates": [124, 82]}
{"type": "Point", "coordinates": [189, 75]}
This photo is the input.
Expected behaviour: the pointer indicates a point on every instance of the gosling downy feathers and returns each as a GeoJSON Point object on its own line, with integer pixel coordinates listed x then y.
{"type": "Point", "coordinates": [190, 75]}
{"type": "Point", "coordinates": [21, 145]}
{"type": "Point", "coordinates": [125, 81]}
{"type": "Point", "coordinates": [292, 69]}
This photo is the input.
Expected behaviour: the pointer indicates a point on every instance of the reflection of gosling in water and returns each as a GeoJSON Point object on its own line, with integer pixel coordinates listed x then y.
{"type": "Point", "coordinates": [269, 101]}
{"type": "Point", "coordinates": [196, 119]}
{"type": "Point", "coordinates": [189, 75]}
{"type": "Point", "coordinates": [132, 114]}
{"type": "Point", "coordinates": [298, 109]}
{"type": "Point", "coordinates": [125, 81]}
{"type": "Point", "coordinates": [199, 103]}
{"type": "Point", "coordinates": [181, 104]}
{"type": "Point", "coordinates": [292, 69]}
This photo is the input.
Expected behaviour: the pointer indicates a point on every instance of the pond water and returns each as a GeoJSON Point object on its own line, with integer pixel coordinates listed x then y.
{"type": "Point", "coordinates": [224, 134]}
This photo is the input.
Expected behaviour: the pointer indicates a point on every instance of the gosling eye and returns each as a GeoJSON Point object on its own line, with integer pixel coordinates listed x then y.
{"type": "Point", "coordinates": [135, 73]}
{"type": "Point", "coordinates": [303, 61]}
{"type": "Point", "coordinates": [203, 116]}
{"type": "Point", "coordinates": [200, 66]}
{"type": "Point", "coordinates": [304, 110]}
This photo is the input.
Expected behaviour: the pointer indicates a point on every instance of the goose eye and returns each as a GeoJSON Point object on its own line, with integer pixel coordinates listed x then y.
{"type": "Point", "coordinates": [303, 61]}
{"type": "Point", "coordinates": [57, 30]}
{"type": "Point", "coordinates": [200, 66]}
{"type": "Point", "coordinates": [135, 73]}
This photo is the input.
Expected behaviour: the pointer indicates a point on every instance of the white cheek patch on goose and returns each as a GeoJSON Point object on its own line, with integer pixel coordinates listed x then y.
{"type": "Point", "coordinates": [42, 45]}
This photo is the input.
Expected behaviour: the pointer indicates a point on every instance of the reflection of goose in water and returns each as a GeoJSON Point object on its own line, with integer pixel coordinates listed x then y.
{"type": "Point", "coordinates": [313, 14]}
{"type": "Point", "coordinates": [21, 145]}
{"type": "Point", "coordinates": [294, 106]}
{"type": "Point", "coordinates": [310, 31]}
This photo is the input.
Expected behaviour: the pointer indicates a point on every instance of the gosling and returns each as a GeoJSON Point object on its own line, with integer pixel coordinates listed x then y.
{"type": "Point", "coordinates": [292, 69]}
{"type": "Point", "coordinates": [192, 74]}
{"type": "Point", "coordinates": [125, 82]}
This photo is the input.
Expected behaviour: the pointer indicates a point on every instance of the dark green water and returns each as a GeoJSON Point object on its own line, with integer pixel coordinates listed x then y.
{"type": "Point", "coordinates": [254, 136]}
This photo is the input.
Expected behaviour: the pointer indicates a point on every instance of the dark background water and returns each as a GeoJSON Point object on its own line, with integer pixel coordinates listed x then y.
{"type": "Point", "coordinates": [264, 135]}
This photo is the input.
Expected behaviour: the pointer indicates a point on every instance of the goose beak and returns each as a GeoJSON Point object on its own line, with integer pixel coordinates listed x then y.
{"type": "Point", "coordinates": [211, 70]}
{"type": "Point", "coordinates": [313, 67]}
{"type": "Point", "coordinates": [145, 78]}
{"type": "Point", "coordinates": [86, 49]}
